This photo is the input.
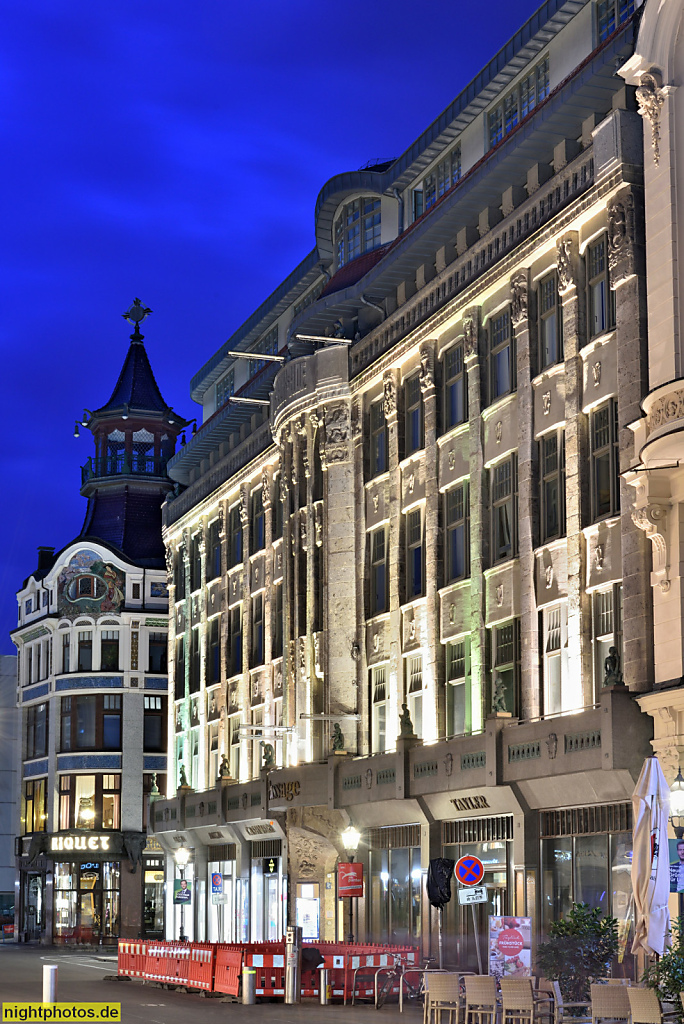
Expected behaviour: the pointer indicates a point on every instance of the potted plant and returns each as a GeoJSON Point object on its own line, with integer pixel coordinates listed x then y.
{"type": "Point", "coordinates": [579, 950]}
{"type": "Point", "coordinates": [666, 975]}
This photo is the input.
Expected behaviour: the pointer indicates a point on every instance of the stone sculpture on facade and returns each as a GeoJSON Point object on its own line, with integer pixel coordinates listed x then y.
{"type": "Point", "coordinates": [611, 668]}
{"type": "Point", "coordinates": [268, 756]}
{"type": "Point", "coordinates": [499, 702]}
{"type": "Point", "coordinates": [405, 723]}
{"type": "Point", "coordinates": [337, 737]}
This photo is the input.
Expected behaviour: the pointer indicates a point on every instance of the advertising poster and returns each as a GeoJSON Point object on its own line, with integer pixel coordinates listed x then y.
{"type": "Point", "coordinates": [510, 947]}
{"type": "Point", "coordinates": [181, 891]}
{"type": "Point", "coordinates": [350, 880]}
{"type": "Point", "coordinates": [676, 851]}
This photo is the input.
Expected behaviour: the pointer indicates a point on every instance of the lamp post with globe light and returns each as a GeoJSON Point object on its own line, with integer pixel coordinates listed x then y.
{"type": "Point", "coordinates": [350, 840]}
{"type": "Point", "coordinates": [677, 822]}
{"type": "Point", "coordinates": [182, 856]}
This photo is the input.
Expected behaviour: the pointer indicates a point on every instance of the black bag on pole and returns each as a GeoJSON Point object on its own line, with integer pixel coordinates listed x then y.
{"type": "Point", "coordinates": [439, 881]}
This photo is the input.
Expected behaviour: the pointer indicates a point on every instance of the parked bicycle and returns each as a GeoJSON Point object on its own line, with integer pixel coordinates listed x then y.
{"type": "Point", "coordinates": [396, 976]}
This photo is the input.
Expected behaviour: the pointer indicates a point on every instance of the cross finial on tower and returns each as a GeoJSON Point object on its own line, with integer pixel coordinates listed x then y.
{"type": "Point", "coordinates": [135, 315]}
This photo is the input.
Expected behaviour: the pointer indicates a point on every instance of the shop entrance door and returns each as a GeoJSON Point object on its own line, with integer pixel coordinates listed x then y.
{"type": "Point", "coordinates": [33, 907]}
{"type": "Point", "coordinates": [459, 927]}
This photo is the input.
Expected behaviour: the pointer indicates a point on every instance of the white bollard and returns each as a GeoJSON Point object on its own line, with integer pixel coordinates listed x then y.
{"type": "Point", "coordinates": [49, 983]}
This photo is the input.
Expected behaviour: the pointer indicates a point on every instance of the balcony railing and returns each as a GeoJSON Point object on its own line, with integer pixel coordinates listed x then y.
{"type": "Point", "coordinates": [122, 465]}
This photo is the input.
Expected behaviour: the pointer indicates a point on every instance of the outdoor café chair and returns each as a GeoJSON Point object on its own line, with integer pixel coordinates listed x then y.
{"type": "Point", "coordinates": [609, 1002]}
{"type": "Point", "coordinates": [561, 1008]}
{"type": "Point", "coordinates": [646, 1008]}
{"type": "Point", "coordinates": [521, 1004]}
{"type": "Point", "coordinates": [442, 993]}
{"type": "Point", "coordinates": [481, 1000]}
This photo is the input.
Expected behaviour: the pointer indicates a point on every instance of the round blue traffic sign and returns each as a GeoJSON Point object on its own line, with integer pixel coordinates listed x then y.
{"type": "Point", "coordinates": [469, 870]}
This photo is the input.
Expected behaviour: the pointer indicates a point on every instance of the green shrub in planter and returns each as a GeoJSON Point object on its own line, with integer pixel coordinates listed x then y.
{"type": "Point", "coordinates": [666, 975]}
{"type": "Point", "coordinates": [579, 950]}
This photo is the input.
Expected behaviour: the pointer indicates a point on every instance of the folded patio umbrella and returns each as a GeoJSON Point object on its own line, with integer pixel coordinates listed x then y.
{"type": "Point", "coordinates": [650, 860]}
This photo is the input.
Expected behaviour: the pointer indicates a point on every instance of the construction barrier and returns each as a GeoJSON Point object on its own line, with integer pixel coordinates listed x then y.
{"type": "Point", "coordinates": [212, 967]}
{"type": "Point", "coordinates": [201, 966]}
{"type": "Point", "coordinates": [131, 959]}
{"type": "Point", "coordinates": [227, 970]}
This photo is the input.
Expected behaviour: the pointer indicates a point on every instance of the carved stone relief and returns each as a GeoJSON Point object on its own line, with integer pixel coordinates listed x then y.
{"type": "Point", "coordinates": [519, 297]}
{"type": "Point", "coordinates": [566, 263]}
{"type": "Point", "coordinates": [546, 403]}
{"type": "Point", "coordinates": [427, 375]}
{"type": "Point", "coordinates": [389, 389]}
{"type": "Point", "coordinates": [652, 519]}
{"type": "Point", "coordinates": [337, 434]}
{"type": "Point", "coordinates": [650, 99]}
{"type": "Point", "coordinates": [470, 331]}
{"type": "Point", "coordinates": [621, 237]}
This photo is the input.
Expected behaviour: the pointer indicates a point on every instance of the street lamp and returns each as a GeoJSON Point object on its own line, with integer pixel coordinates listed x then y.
{"type": "Point", "coordinates": [182, 856]}
{"type": "Point", "coordinates": [350, 840]}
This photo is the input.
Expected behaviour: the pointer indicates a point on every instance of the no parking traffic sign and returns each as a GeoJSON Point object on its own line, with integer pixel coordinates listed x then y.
{"type": "Point", "coordinates": [469, 870]}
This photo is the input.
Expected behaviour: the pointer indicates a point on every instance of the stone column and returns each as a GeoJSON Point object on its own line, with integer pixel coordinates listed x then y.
{"type": "Point", "coordinates": [528, 500]}
{"type": "Point", "coordinates": [626, 264]}
{"type": "Point", "coordinates": [244, 691]}
{"type": "Point", "coordinates": [479, 523]}
{"type": "Point", "coordinates": [357, 644]}
{"type": "Point", "coordinates": [341, 615]}
{"type": "Point", "coordinates": [269, 716]}
{"type": "Point", "coordinates": [202, 782]}
{"type": "Point", "coordinates": [571, 290]}
{"type": "Point", "coordinates": [434, 700]}
{"type": "Point", "coordinates": [395, 682]}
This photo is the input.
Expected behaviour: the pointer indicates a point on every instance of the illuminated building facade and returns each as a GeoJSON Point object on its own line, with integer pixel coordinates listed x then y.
{"type": "Point", "coordinates": [406, 583]}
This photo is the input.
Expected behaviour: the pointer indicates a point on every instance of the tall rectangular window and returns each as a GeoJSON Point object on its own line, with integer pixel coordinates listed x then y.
{"type": "Point", "coordinates": [154, 723]}
{"type": "Point", "coordinates": [277, 506]}
{"type": "Point", "coordinates": [234, 737]}
{"type": "Point", "coordinates": [504, 481]}
{"type": "Point", "coordinates": [606, 632]}
{"type": "Point", "coordinates": [506, 667]}
{"type": "Point", "coordinates": [179, 575]}
{"type": "Point", "coordinates": [379, 709]}
{"type": "Point", "coordinates": [457, 523]}
{"type": "Point", "coordinates": [235, 650]}
{"type": "Point", "coordinates": [502, 371]}
{"type": "Point", "coordinates": [257, 656]}
{"type": "Point", "coordinates": [550, 326]}
{"type": "Point", "coordinates": [234, 537]}
{"type": "Point", "coordinates": [277, 624]}
{"type": "Point", "coordinates": [257, 538]}
{"type": "Point", "coordinates": [111, 721]}
{"type": "Point", "coordinates": [414, 555]}
{"type": "Point", "coordinates": [214, 551]}
{"type": "Point", "coordinates": [458, 687]}
{"type": "Point", "coordinates": [109, 650]}
{"type": "Point", "coordinates": [552, 475]}
{"type": "Point", "coordinates": [508, 113]}
{"type": "Point", "coordinates": [413, 415]}
{"type": "Point", "coordinates": [378, 439]}
{"type": "Point", "coordinates": [195, 563]}
{"type": "Point", "coordinates": [378, 572]}
{"type": "Point", "coordinates": [179, 688]}
{"type": "Point", "coordinates": [36, 731]}
{"type": "Point", "coordinates": [85, 650]}
{"type": "Point", "coordinates": [414, 691]}
{"type": "Point", "coordinates": [225, 388]}
{"type": "Point", "coordinates": [553, 661]}
{"type": "Point", "coordinates": [66, 652]}
{"type": "Point", "coordinates": [157, 652]}
{"type": "Point", "coordinates": [213, 667]}
{"type": "Point", "coordinates": [605, 461]}
{"type": "Point", "coordinates": [34, 807]}
{"type": "Point", "coordinates": [601, 299]}
{"type": "Point", "coordinates": [194, 660]}
{"type": "Point", "coordinates": [455, 388]}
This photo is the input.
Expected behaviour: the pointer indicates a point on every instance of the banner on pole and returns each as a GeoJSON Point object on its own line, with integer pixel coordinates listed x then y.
{"type": "Point", "coordinates": [350, 879]}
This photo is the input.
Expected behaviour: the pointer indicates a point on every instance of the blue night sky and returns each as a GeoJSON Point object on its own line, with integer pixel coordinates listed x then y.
{"type": "Point", "coordinates": [174, 151]}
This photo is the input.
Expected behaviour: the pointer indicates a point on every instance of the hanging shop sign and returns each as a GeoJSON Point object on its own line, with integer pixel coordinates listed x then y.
{"type": "Point", "coordinates": [270, 865]}
{"type": "Point", "coordinates": [350, 880]}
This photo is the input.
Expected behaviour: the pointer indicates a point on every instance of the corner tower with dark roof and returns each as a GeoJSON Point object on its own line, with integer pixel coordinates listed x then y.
{"type": "Point", "coordinates": [126, 481]}
{"type": "Point", "coordinates": [92, 679]}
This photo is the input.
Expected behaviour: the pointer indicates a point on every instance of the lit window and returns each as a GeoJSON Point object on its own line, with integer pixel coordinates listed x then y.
{"type": "Point", "coordinates": [357, 229]}
{"type": "Point", "coordinates": [414, 555]}
{"type": "Point", "coordinates": [413, 412]}
{"type": "Point", "coordinates": [458, 687]}
{"type": "Point", "coordinates": [502, 370]}
{"type": "Point", "coordinates": [552, 477]}
{"type": "Point", "coordinates": [504, 480]}
{"type": "Point", "coordinates": [557, 697]}
{"type": "Point", "coordinates": [378, 572]}
{"type": "Point", "coordinates": [601, 299]}
{"type": "Point", "coordinates": [414, 689]}
{"type": "Point", "coordinates": [606, 631]}
{"type": "Point", "coordinates": [455, 388]}
{"type": "Point", "coordinates": [550, 323]}
{"type": "Point", "coordinates": [506, 669]}
{"type": "Point", "coordinates": [518, 103]}
{"type": "Point", "coordinates": [457, 518]}
{"type": "Point", "coordinates": [379, 709]}
{"type": "Point", "coordinates": [605, 461]}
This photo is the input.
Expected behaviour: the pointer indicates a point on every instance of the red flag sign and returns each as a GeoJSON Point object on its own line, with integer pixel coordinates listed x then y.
{"type": "Point", "coordinates": [350, 879]}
